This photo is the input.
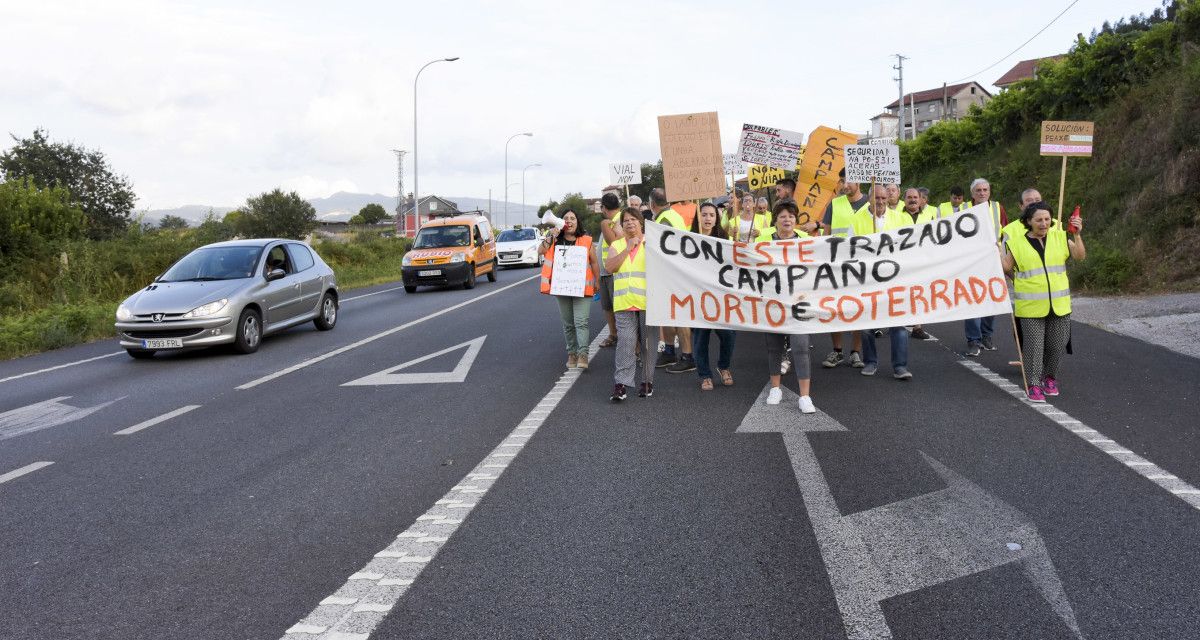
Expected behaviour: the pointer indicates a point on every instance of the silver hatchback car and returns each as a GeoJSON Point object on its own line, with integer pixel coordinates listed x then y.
{"type": "Point", "coordinates": [232, 292]}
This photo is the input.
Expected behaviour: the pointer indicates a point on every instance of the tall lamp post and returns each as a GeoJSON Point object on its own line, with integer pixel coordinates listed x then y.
{"type": "Point", "coordinates": [518, 135]}
{"type": "Point", "coordinates": [416, 187]}
{"type": "Point", "coordinates": [523, 190]}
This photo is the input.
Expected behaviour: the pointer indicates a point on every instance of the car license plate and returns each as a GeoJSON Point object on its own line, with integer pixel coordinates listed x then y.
{"type": "Point", "coordinates": [163, 343]}
{"type": "Point", "coordinates": [510, 256]}
{"type": "Point", "coordinates": [430, 272]}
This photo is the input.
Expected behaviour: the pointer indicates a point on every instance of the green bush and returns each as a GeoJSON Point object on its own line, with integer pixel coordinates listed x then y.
{"type": "Point", "coordinates": [32, 220]}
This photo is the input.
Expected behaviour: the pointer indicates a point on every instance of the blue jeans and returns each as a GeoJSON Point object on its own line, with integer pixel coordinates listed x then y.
{"type": "Point", "coordinates": [899, 340]}
{"type": "Point", "coordinates": [978, 328]}
{"type": "Point", "coordinates": [700, 349]}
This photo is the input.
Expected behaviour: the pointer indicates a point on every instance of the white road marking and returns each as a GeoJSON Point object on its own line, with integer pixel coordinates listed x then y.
{"type": "Point", "coordinates": [370, 339]}
{"type": "Point", "coordinates": [458, 374]}
{"type": "Point", "coordinates": [43, 415]}
{"type": "Point", "coordinates": [153, 421]}
{"type": "Point", "coordinates": [17, 473]}
{"type": "Point", "coordinates": [409, 554]}
{"type": "Point", "coordinates": [61, 366]}
{"type": "Point", "coordinates": [1136, 463]}
{"type": "Point", "coordinates": [368, 295]}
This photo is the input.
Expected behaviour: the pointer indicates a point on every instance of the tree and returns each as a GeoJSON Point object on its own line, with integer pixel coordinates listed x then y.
{"type": "Point", "coordinates": [277, 214]}
{"type": "Point", "coordinates": [32, 218]}
{"type": "Point", "coordinates": [372, 213]}
{"type": "Point", "coordinates": [652, 178]}
{"type": "Point", "coordinates": [356, 219]}
{"type": "Point", "coordinates": [105, 198]}
{"type": "Point", "coordinates": [172, 222]}
{"type": "Point", "coordinates": [213, 230]}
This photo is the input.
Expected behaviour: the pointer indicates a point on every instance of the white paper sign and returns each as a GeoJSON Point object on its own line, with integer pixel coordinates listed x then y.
{"type": "Point", "coordinates": [878, 162]}
{"type": "Point", "coordinates": [769, 146]}
{"type": "Point", "coordinates": [624, 173]}
{"type": "Point", "coordinates": [939, 271]}
{"type": "Point", "coordinates": [570, 271]}
{"type": "Point", "coordinates": [734, 165]}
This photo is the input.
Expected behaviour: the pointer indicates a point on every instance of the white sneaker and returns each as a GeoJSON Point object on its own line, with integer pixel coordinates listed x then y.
{"type": "Point", "coordinates": [775, 395]}
{"type": "Point", "coordinates": [806, 405]}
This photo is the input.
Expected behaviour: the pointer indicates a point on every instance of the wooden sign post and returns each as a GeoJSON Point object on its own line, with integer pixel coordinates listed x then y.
{"type": "Point", "coordinates": [1066, 139]}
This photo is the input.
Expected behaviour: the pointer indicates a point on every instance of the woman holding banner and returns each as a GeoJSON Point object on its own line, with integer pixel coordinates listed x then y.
{"type": "Point", "coordinates": [786, 215]}
{"type": "Point", "coordinates": [707, 223]}
{"type": "Point", "coordinates": [747, 225]}
{"type": "Point", "coordinates": [627, 262]}
{"type": "Point", "coordinates": [573, 310]}
{"type": "Point", "coordinates": [1037, 263]}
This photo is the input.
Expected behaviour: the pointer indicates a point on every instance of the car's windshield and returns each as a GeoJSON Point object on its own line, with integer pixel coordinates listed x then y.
{"type": "Point", "coordinates": [515, 235]}
{"type": "Point", "coordinates": [458, 236]}
{"type": "Point", "coordinates": [214, 263]}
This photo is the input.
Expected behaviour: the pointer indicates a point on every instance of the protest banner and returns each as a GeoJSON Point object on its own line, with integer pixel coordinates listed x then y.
{"type": "Point", "coordinates": [734, 165]}
{"type": "Point", "coordinates": [760, 177]}
{"type": "Point", "coordinates": [873, 163]}
{"type": "Point", "coordinates": [1066, 139]}
{"type": "Point", "coordinates": [816, 182]}
{"type": "Point", "coordinates": [777, 148]}
{"type": "Point", "coordinates": [693, 167]}
{"type": "Point", "coordinates": [624, 173]}
{"type": "Point", "coordinates": [939, 271]}
{"type": "Point", "coordinates": [570, 271]}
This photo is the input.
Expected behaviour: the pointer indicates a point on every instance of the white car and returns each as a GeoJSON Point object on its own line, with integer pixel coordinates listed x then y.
{"type": "Point", "coordinates": [519, 247]}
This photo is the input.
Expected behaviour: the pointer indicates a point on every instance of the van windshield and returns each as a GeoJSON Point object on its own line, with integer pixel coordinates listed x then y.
{"type": "Point", "coordinates": [429, 237]}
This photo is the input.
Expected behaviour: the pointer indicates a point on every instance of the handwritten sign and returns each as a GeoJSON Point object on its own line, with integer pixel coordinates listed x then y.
{"type": "Point", "coordinates": [570, 271]}
{"type": "Point", "coordinates": [1061, 138]}
{"type": "Point", "coordinates": [693, 167]}
{"type": "Point", "coordinates": [873, 162]}
{"type": "Point", "coordinates": [933, 272]}
{"type": "Point", "coordinates": [760, 177]}
{"type": "Point", "coordinates": [624, 173]}
{"type": "Point", "coordinates": [817, 175]}
{"type": "Point", "coordinates": [773, 147]}
{"type": "Point", "coordinates": [734, 165]}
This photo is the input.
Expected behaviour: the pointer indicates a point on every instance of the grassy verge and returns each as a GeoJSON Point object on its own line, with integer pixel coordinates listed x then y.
{"type": "Point", "coordinates": [51, 302]}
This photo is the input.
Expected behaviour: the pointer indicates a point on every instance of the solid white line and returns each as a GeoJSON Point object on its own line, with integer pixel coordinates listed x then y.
{"type": "Point", "coordinates": [382, 334]}
{"type": "Point", "coordinates": [61, 366]}
{"type": "Point", "coordinates": [17, 473]}
{"type": "Point", "coordinates": [406, 541]}
{"type": "Point", "coordinates": [368, 295]}
{"type": "Point", "coordinates": [153, 421]}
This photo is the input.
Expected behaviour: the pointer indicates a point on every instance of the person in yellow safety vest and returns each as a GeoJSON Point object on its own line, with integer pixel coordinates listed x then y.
{"type": "Point", "coordinates": [1028, 197]}
{"type": "Point", "coordinates": [762, 205]}
{"type": "Point", "coordinates": [748, 224]}
{"type": "Point", "coordinates": [574, 311]}
{"type": "Point", "coordinates": [979, 330]}
{"type": "Point", "coordinates": [610, 229]}
{"type": "Point", "coordinates": [877, 215]}
{"type": "Point", "coordinates": [895, 203]}
{"type": "Point", "coordinates": [627, 262]}
{"type": "Point", "coordinates": [838, 220]}
{"type": "Point", "coordinates": [873, 218]}
{"type": "Point", "coordinates": [664, 214]}
{"type": "Point", "coordinates": [925, 206]}
{"type": "Point", "coordinates": [955, 205]}
{"type": "Point", "coordinates": [915, 213]}
{"type": "Point", "coordinates": [1037, 262]}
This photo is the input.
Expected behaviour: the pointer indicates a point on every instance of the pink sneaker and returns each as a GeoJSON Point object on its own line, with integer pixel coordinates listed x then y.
{"type": "Point", "coordinates": [1050, 385]}
{"type": "Point", "coordinates": [1035, 394]}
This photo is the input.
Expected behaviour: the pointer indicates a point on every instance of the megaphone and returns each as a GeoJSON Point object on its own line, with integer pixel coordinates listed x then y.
{"type": "Point", "coordinates": [553, 220]}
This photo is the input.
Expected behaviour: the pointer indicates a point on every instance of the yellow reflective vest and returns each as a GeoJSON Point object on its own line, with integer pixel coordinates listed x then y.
{"type": "Point", "coordinates": [768, 235]}
{"type": "Point", "coordinates": [1012, 230]}
{"type": "Point", "coordinates": [842, 222]}
{"type": "Point", "coordinates": [995, 209]}
{"type": "Point", "coordinates": [1040, 285]}
{"type": "Point", "coordinates": [946, 209]}
{"type": "Point", "coordinates": [671, 217]}
{"type": "Point", "coordinates": [928, 214]}
{"type": "Point", "coordinates": [629, 280]}
{"type": "Point", "coordinates": [864, 221]}
{"type": "Point", "coordinates": [757, 224]}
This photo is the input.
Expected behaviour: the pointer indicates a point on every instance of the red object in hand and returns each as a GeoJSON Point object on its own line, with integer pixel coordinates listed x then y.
{"type": "Point", "coordinates": [1076, 219]}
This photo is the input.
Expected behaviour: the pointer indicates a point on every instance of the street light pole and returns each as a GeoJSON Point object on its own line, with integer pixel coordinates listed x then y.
{"type": "Point", "coordinates": [416, 188]}
{"type": "Point", "coordinates": [506, 173]}
{"type": "Point", "coordinates": [523, 190]}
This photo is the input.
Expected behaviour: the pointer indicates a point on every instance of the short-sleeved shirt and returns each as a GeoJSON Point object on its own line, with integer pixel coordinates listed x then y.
{"type": "Point", "coordinates": [827, 219]}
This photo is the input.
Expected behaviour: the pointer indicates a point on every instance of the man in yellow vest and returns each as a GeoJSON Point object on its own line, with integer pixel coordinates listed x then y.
{"type": "Point", "coordinates": [979, 330]}
{"type": "Point", "coordinates": [916, 212]}
{"type": "Point", "coordinates": [956, 204]}
{"type": "Point", "coordinates": [610, 230]}
{"type": "Point", "coordinates": [664, 214]}
{"type": "Point", "coordinates": [876, 217]}
{"type": "Point", "coordinates": [838, 220]}
{"type": "Point", "coordinates": [925, 206]}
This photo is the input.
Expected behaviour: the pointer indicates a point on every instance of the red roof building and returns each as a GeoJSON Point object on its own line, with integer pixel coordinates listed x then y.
{"type": "Point", "coordinates": [1023, 70]}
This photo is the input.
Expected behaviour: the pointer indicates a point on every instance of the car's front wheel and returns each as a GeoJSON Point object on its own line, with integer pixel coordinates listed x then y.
{"type": "Point", "coordinates": [469, 282]}
{"type": "Point", "coordinates": [249, 332]}
{"type": "Point", "coordinates": [140, 354]}
{"type": "Point", "coordinates": [492, 271]}
{"type": "Point", "coordinates": [327, 315]}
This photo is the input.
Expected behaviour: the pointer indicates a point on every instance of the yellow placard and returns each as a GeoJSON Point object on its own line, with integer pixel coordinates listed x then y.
{"type": "Point", "coordinates": [816, 182]}
{"type": "Point", "coordinates": [761, 176]}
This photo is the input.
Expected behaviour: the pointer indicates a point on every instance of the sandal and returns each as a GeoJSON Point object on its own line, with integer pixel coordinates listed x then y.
{"type": "Point", "coordinates": [726, 377]}
{"type": "Point", "coordinates": [610, 341]}
{"type": "Point", "coordinates": [706, 384]}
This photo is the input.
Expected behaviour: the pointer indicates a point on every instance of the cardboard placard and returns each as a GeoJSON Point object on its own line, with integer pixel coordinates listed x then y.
{"type": "Point", "coordinates": [760, 177]}
{"type": "Point", "coordinates": [570, 271]}
{"type": "Point", "coordinates": [1067, 138]}
{"type": "Point", "coordinates": [816, 182]}
{"type": "Point", "coordinates": [778, 148]}
{"type": "Point", "coordinates": [873, 162]}
{"type": "Point", "coordinates": [734, 164]}
{"type": "Point", "coordinates": [693, 167]}
{"type": "Point", "coordinates": [624, 173]}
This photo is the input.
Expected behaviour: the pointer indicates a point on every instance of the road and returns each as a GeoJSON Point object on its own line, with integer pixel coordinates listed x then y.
{"type": "Point", "coordinates": [486, 493]}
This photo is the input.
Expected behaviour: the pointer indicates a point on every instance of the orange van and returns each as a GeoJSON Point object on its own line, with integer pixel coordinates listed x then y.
{"type": "Point", "coordinates": [450, 251]}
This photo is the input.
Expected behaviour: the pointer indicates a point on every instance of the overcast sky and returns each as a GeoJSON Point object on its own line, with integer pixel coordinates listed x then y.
{"type": "Point", "coordinates": [209, 103]}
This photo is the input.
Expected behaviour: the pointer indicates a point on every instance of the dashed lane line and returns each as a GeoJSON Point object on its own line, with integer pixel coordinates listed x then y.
{"type": "Point", "coordinates": [1143, 467]}
{"type": "Point", "coordinates": [17, 473]}
{"type": "Point", "coordinates": [382, 334]}
{"type": "Point", "coordinates": [368, 295]}
{"type": "Point", "coordinates": [61, 366]}
{"type": "Point", "coordinates": [153, 421]}
{"type": "Point", "coordinates": [357, 608]}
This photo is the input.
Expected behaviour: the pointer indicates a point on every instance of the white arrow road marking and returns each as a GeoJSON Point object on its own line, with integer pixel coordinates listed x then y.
{"type": "Point", "coordinates": [458, 374]}
{"type": "Point", "coordinates": [17, 473]}
{"type": "Point", "coordinates": [388, 575]}
{"type": "Point", "coordinates": [905, 546]}
{"type": "Point", "coordinates": [43, 415]}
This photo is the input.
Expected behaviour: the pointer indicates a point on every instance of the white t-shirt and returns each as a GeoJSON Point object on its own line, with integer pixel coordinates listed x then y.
{"type": "Point", "coordinates": [744, 229]}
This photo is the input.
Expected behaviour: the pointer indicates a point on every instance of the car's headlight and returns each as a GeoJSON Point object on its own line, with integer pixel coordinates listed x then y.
{"type": "Point", "coordinates": [406, 261]}
{"type": "Point", "coordinates": [458, 257]}
{"type": "Point", "coordinates": [124, 314]}
{"type": "Point", "coordinates": [207, 309]}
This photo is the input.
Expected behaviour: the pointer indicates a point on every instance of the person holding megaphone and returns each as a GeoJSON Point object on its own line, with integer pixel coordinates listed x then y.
{"type": "Point", "coordinates": [573, 310]}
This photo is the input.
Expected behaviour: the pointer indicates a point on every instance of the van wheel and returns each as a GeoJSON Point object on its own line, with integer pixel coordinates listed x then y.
{"type": "Point", "coordinates": [492, 271]}
{"type": "Point", "coordinates": [249, 332]}
{"type": "Point", "coordinates": [469, 283]}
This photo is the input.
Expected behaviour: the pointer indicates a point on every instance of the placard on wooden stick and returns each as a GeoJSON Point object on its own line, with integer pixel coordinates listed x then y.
{"type": "Point", "coordinates": [693, 167]}
{"type": "Point", "coordinates": [624, 173]}
{"type": "Point", "coordinates": [873, 163]}
{"type": "Point", "coordinates": [817, 175]}
{"type": "Point", "coordinates": [1067, 139]}
{"type": "Point", "coordinates": [760, 177]}
{"type": "Point", "coordinates": [778, 148]}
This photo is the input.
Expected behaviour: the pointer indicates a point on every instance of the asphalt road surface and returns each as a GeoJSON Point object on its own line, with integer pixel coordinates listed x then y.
{"type": "Point", "coordinates": [344, 485]}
